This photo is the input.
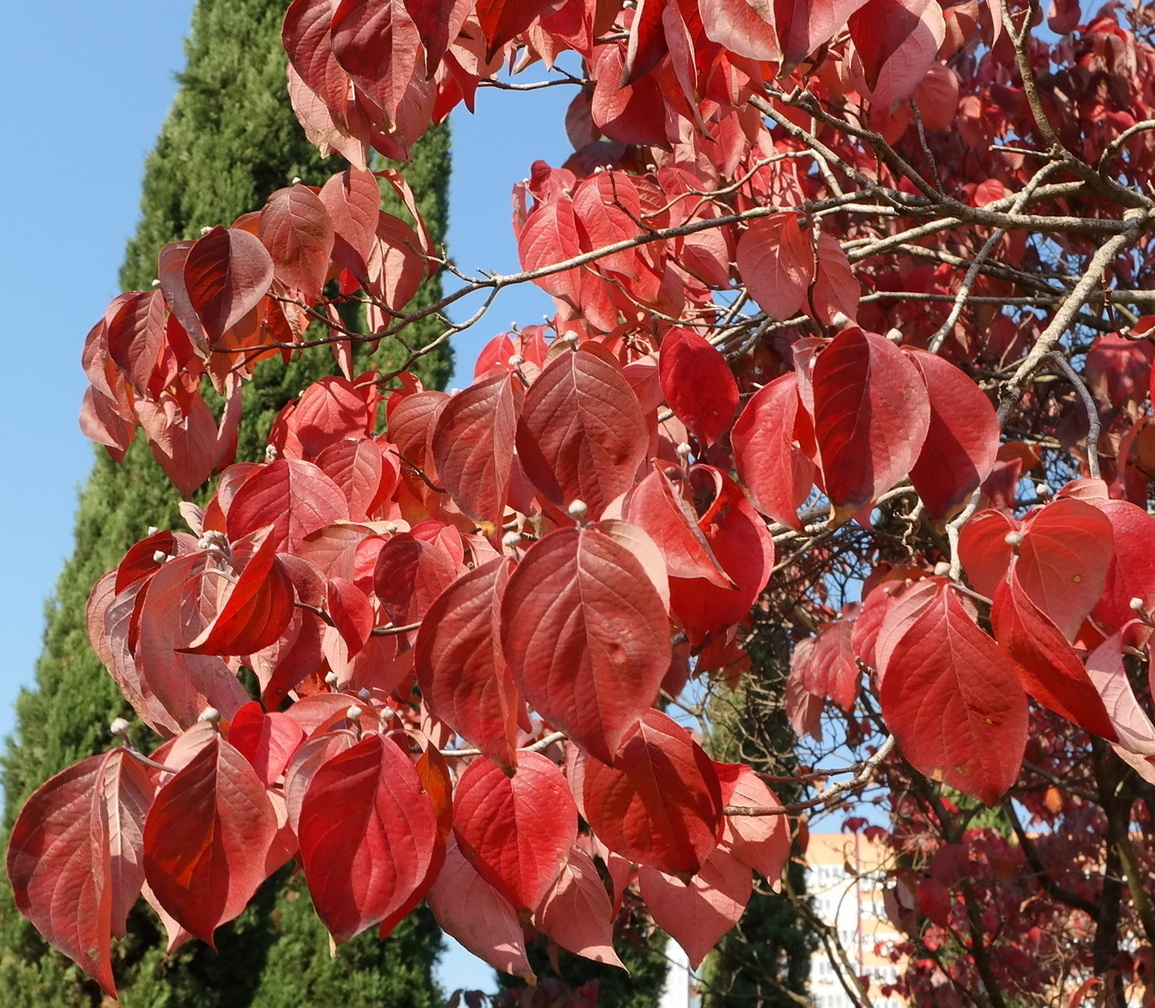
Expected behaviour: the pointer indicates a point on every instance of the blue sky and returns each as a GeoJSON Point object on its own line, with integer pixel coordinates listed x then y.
{"type": "Point", "coordinates": [85, 90]}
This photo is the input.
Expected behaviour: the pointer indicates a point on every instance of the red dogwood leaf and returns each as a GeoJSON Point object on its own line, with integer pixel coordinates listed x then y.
{"type": "Point", "coordinates": [697, 914]}
{"type": "Point", "coordinates": [582, 434]}
{"type": "Point", "coordinates": [871, 415]}
{"type": "Point", "coordinates": [293, 496]}
{"type": "Point", "coordinates": [697, 384]}
{"type": "Point", "coordinates": [369, 836]}
{"type": "Point", "coordinates": [226, 273]}
{"type": "Point", "coordinates": [517, 830]}
{"type": "Point", "coordinates": [409, 575]}
{"type": "Point", "coordinates": [74, 857]}
{"type": "Point", "coordinates": [473, 445]}
{"type": "Point", "coordinates": [586, 636]}
{"type": "Point", "coordinates": [577, 913]}
{"type": "Point", "coordinates": [472, 911]}
{"type": "Point", "coordinates": [761, 842]}
{"type": "Point", "coordinates": [1063, 560]}
{"type": "Point", "coordinates": [774, 468]}
{"type": "Point", "coordinates": [776, 260]}
{"type": "Point", "coordinates": [207, 837]}
{"type": "Point", "coordinates": [660, 803]}
{"type": "Point", "coordinates": [460, 666]}
{"type": "Point", "coordinates": [962, 439]}
{"type": "Point", "coordinates": [295, 228]}
{"type": "Point", "coordinates": [953, 701]}
{"type": "Point", "coordinates": [1047, 666]}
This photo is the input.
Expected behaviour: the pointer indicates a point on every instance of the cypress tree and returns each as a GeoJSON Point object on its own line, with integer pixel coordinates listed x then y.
{"type": "Point", "coordinates": [229, 141]}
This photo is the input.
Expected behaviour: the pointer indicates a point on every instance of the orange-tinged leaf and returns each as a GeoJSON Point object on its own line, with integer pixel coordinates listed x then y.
{"type": "Point", "coordinates": [761, 842]}
{"type": "Point", "coordinates": [295, 228]}
{"type": "Point", "coordinates": [293, 496]}
{"type": "Point", "coordinates": [517, 829]}
{"type": "Point", "coordinates": [206, 839]}
{"type": "Point", "coordinates": [586, 636]}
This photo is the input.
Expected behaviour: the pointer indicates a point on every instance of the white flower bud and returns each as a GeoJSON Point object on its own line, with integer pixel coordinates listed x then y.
{"type": "Point", "coordinates": [118, 726]}
{"type": "Point", "coordinates": [894, 336]}
{"type": "Point", "coordinates": [390, 528]}
{"type": "Point", "coordinates": [331, 679]}
{"type": "Point", "coordinates": [569, 337]}
{"type": "Point", "coordinates": [684, 450]}
{"type": "Point", "coordinates": [1043, 490]}
{"type": "Point", "coordinates": [209, 714]}
{"type": "Point", "coordinates": [1136, 604]}
{"type": "Point", "coordinates": [516, 360]}
{"type": "Point", "coordinates": [205, 230]}
{"type": "Point", "coordinates": [941, 569]}
{"type": "Point", "coordinates": [578, 510]}
{"type": "Point", "coordinates": [153, 530]}
{"type": "Point", "coordinates": [296, 180]}
{"type": "Point", "coordinates": [270, 453]}
{"type": "Point", "coordinates": [511, 540]}
{"type": "Point", "coordinates": [363, 693]}
{"type": "Point", "coordinates": [1013, 538]}
{"type": "Point", "coordinates": [354, 713]}
{"type": "Point", "coordinates": [159, 556]}
{"type": "Point", "coordinates": [156, 282]}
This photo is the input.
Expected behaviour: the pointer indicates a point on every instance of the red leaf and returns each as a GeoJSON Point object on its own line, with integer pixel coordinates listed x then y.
{"type": "Point", "coordinates": [871, 414]}
{"type": "Point", "coordinates": [697, 384]}
{"type": "Point", "coordinates": [736, 25]}
{"type": "Point", "coordinates": [369, 836]}
{"type": "Point", "coordinates": [377, 44]}
{"type": "Point", "coordinates": [409, 576]}
{"type": "Point", "coordinates": [549, 236]}
{"type": "Point", "coordinates": [962, 440]}
{"type": "Point", "coordinates": [501, 20]}
{"type": "Point", "coordinates": [953, 701]}
{"type": "Point", "coordinates": [742, 545]}
{"type": "Point", "coordinates": [697, 915]}
{"type": "Point", "coordinates": [658, 509]}
{"type": "Point", "coordinates": [1063, 559]}
{"type": "Point", "coordinates": [586, 636]}
{"type": "Point", "coordinates": [660, 803]}
{"type": "Point", "coordinates": [577, 913]}
{"type": "Point", "coordinates": [267, 741]}
{"type": "Point", "coordinates": [825, 664]}
{"type": "Point", "coordinates": [473, 445]}
{"type": "Point", "coordinates": [293, 496]}
{"type": "Point", "coordinates": [74, 857]}
{"type": "Point", "coordinates": [294, 226]}
{"type": "Point", "coordinates": [804, 25]}
{"type": "Point", "coordinates": [1047, 665]}
{"type": "Point", "coordinates": [775, 470]}
{"type": "Point", "coordinates": [353, 203]}
{"type": "Point", "coordinates": [468, 908]}
{"type": "Point", "coordinates": [898, 42]}
{"type": "Point", "coordinates": [761, 842]}
{"type": "Point", "coordinates": [517, 830]}
{"type": "Point", "coordinates": [1132, 571]}
{"type": "Point", "coordinates": [438, 22]}
{"type": "Point", "coordinates": [136, 340]}
{"type": "Point", "coordinates": [582, 435]}
{"type": "Point", "coordinates": [206, 839]}
{"type": "Point", "coordinates": [984, 550]}
{"type": "Point", "coordinates": [226, 273]}
{"type": "Point", "coordinates": [775, 258]}
{"type": "Point", "coordinates": [460, 666]}
{"type": "Point", "coordinates": [255, 612]}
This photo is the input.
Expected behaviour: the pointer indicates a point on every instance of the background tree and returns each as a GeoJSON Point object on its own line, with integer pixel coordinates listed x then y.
{"type": "Point", "coordinates": [229, 141]}
{"type": "Point", "coordinates": [827, 289]}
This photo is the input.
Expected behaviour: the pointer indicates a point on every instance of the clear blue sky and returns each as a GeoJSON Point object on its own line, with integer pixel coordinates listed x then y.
{"type": "Point", "coordinates": [84, 93]}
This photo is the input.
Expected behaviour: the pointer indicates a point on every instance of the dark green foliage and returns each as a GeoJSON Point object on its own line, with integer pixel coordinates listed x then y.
{"type": "Point", "coordinates": [765, 960]}
{"type": "Point", "coordinates": [230, 139]}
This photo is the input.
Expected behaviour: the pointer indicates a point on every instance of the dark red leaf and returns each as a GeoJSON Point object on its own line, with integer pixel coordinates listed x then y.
{"type": "Point", "coordinates": [295, 227]}
{"type": "Point", "coordinates": [698, 384]}
{"type": "Point", "coordinates": [226, 273]}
